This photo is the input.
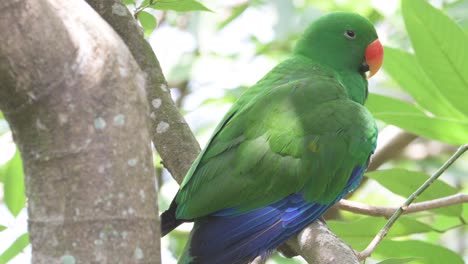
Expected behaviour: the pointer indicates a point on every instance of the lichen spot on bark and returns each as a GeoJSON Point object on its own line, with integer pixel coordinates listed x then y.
{"type": "Point", "coordinates": [40, 125]}
{"type": "Point", "coordinates": [156, 103]}
{"type": "Point", "coordinates": [119, 120]}
{"type": "Point", "coordinates": [119, 9]}
{"type": "Point", "coordinates": [63, 118]}
{"type": "Point", "coordinates": [68, 259]}
{"type": "Point", "coordinates": [132, 162]}
{"type": "Point", "coordinates": [162, 127]}
{"type": "Point", "coordinates": [142, 195]}
{"type": "Point", "coordinates": [99, 123]}
{"type": "Point", "coordinates": [123, 71]}
{"type": "Point", "coordinates": [139, 253]}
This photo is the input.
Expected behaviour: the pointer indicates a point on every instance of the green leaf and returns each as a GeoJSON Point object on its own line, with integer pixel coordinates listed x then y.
{"type": "Point", "coordinates": [465, 212]}
{"type": "Point", "coordinates": [404, 68]}
{"type": "Point", "coordinates": [404, 182]}
{"type": "Point", "coordinates": [2, 228]}
{"type": "Point", "coordinates": [3, 169]}
{"type": "Point", "coordinates": [179, 5]}
{"type": "Point", "coordinates": [428, 253]}
{"type": "Point", "coordinates": [398, 260]}
{"type": "Point", "coordinates": [383, 104]}
{"type": "Point", "coordinates": [446, 130]}
{"type": "Point", "coordinates": [14, 195]}
{"type": "Point", "coordinates": [128, 2]}
{"type": "Point", "coordinates": [236, 11]}
{"type": "Point", "coordinates": [147, 21]}
{"type": "Point", "coordinates": [360, 232]}
{"type": "Point", "coordinates": [440, 47]}
{"type": "Point", "coordinates": [19, 245]}
{"type": "Point", "coordinates": [409, 117]}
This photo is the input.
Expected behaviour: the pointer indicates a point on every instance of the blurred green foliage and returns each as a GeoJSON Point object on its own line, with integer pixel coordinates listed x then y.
{"type": "Point", "coordinates": [15, 248]}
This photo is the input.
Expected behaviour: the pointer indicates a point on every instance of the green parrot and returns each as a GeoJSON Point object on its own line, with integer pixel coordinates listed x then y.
{"type": "Point", "coordinates": [292, 146]}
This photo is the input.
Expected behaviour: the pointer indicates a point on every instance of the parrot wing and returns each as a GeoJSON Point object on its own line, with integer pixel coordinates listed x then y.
{"type": "Point", "coordinates": [304, 136]}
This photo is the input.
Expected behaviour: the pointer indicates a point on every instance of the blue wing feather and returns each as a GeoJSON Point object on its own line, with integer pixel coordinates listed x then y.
{"type": "Point", "coordinates": [228, 236]}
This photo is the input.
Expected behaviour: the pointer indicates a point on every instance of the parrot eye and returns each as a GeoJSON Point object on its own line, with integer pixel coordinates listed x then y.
{"type": "Point", "coordinates": [349, 34]}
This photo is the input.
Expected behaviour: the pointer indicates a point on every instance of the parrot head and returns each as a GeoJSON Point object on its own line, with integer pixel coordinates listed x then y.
{"type": "Point", "coordinates": [343, 41]}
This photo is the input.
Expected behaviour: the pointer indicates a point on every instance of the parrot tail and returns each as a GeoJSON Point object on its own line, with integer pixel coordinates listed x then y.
{"type": "Point", "coordinates": [230, 238]}
{"type": "Point", "coordinates": [169, 221]}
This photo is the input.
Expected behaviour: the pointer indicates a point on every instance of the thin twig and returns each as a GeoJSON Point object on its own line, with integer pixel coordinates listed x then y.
{"type": "Point", "coordinates": [388, 211]}
{"type": "Point", "coordinates": [141, 8]}
{"type": "Point", "coordinates": [378, 238]}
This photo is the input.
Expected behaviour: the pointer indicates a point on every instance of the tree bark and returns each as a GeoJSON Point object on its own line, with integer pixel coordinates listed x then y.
{"type": "Point", "coordinates": [170, 134]}
{"type": "Point", "coordinates": [76, 103]}
{"type": "Point", "coordinates": [317, 244]}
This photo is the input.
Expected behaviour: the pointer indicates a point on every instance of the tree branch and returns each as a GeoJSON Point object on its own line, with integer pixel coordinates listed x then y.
{"type": "Point", "coordinates": [388, 211]}
{"type": "Point", "coordinates": [75, 101]}
{"type": "Point", "coordinates": [171, 135]}
{"type": "Point", "coordinates": [383, 232]}
{"type": "Point", "coordinates": [317, 244]}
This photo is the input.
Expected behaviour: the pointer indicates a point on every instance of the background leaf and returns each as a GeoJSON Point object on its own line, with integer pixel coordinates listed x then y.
{"type": "Point", "coordinates": [179, 5]}
{"type": "Point", "coordinates": [409, 117]}
{"type": "Point", "coordinates": [2, 228]}
{"type": "Point", "coordinates": [404, 182]}
{"type": "Point", "coordinates": [14, 195]}
{"type": "Point", "coordinates": [404, 68]}
{"type": "Point", "coordinates": [17, 247]}
{"type": "Point", "coordinates": [398, 260]}
{"type": "Point", "coordinates": [360, 232]}
{"type": "Point", "coordinates": [426, 252]}
{"type": "Point", "coordinates": [440, 47]}
{"type": "Point", "coordinates": [236, 11]}
{"type": "Point", "coordinates": [383, 104]}
{"type": "Point", "coordinates": [147, 21]}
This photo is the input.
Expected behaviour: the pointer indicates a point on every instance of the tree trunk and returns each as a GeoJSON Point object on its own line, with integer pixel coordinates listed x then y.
{"type": "Point", "coordinates": [76, 103]}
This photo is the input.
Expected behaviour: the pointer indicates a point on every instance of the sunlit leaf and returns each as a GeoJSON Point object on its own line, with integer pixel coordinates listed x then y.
{"type": "Point", "coordinates": [404, 68]}
{"type": "Point", "coordinates": [179, 5]}
{"type": "Point", "coordinates": [2, 228]}
{"type": "Point", "coordinates": [425, 252]}
{"type": "Point", "coordinates": [17, 247]}
{"type": "Point", "coordinates": [236, 11]}
{"type": "Point", "coordinates": [147, 21]}
{"type": "Point", "coordinates": [383, 104]}
{"type": "Point", "coordinates": [440, 47]}
{"type": "Point", "coordinates": [3, 169]}
{"type": "Point", "coordinates": [443, 222]}
{"type": "Point", "coordinates": [177, 240]}
{"type": "Point", "coordinates": [404, 182]}
{"type": "Point", "coordinates": [14, 195]}
{"type": "Point", "coordinates": [409, 117]}
{"type": "Point", "coordinates": [398, 260]}
{"type": "Point", "coordinates": [128, 2]}
{"type": "Point", "coordinates": [359, 233]}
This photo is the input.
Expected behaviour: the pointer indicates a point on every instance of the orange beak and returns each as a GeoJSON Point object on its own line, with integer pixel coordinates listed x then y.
{"type": "Point", "coordinates": [374, 57]}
